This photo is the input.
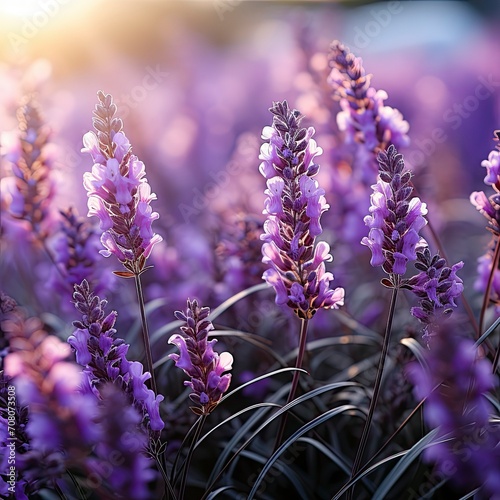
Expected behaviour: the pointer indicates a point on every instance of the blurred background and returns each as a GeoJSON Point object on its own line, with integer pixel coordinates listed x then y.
{"type": "Point", "coordinates": [193, 82]}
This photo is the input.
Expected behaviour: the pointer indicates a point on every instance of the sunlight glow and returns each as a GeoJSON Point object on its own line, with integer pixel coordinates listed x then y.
{"type": "Point", "coordinates": [22, 7]}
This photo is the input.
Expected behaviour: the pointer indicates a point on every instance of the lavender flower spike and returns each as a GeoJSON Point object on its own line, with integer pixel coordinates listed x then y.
{"type": "Point", "coordinates": [32, 185]}
{"type": "Point", "coordinates": [394, 219]}
{"type": "Point", "coordinates": [294, 206]}
{"type": "Point", "coordinates": [364, 117]}
{"type": "Point", "coordinates": [104, 358]}
{"type": "Point", "coordinates": [118, 192]}
{"type": "Point", "coordinates": [199, 361]}
{"type": "Point", "coordinates": [437, 285]}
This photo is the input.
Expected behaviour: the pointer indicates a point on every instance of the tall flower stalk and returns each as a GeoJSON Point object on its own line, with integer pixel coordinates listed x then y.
{"type": "Point", "coordinates": [395, 221]}
{"type": "Point", "coordinates": [120, 196]}
{"type": "Point", "coordinates": [294, 206]}
{"type": "Point", "coordinates": [111, 378]}
{"type": "Point", "coordinates": [489, 206]}
{"type": "Point", "coordinates": [205, 367]}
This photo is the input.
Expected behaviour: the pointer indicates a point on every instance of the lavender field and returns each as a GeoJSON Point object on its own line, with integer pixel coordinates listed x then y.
{"type": "Point", "coordinates": [249, 250]}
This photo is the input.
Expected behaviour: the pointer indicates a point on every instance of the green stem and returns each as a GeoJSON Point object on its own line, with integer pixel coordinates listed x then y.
{"type": "Point", "coordinates": [295, 379]}
{"type": "Point", "coordinates": [145, 332]}
{"type": "Point", "coordinates": [376, 388]}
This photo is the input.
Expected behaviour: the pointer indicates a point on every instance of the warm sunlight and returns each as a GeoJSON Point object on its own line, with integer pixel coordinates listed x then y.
{"type": "Point", "coordinates": [22, 7]}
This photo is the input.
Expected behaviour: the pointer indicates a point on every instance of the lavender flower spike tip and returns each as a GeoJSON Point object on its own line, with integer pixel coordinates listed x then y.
{"type": "Point", "coordinates": [119, 194]}
{"type": "Point", "coordinates": [294, 206]}
{"type": "Point", "coordinates": [394, 219]}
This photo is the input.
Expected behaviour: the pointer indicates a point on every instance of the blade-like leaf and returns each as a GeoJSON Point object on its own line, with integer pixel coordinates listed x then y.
{"type": "Point", "coordinates": [303, 430]}
{"type": "Point", "coordinates": [284, 409]}
{"type": "Point", "coordinates": [487, 333]}
{"type": "Point", "coordinates": [417, 350]}
{"type": "Point", "coordinates": [398, 470]}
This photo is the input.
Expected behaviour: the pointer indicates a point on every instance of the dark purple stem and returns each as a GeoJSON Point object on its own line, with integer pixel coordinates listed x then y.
{"type": "Point", "coordinates": [145, 333]}
{"type": "Point", "coordinates": [376, 389]}
{"type": "Point", "coordinates": [295, 379]}
{"type": "Point", "coordinates": [486, 298]}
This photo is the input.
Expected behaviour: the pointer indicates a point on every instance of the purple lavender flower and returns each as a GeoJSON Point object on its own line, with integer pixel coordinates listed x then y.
{"type": "Point", "coordinates": [364, 117]}
{"type": "Point", "coordinates": [59, 431]}
{"type": "Point", "coordinates": [294, 206]}
{"type": "Point", "coordinates": [118, 192]}
{"type": "Point", "coordinates": [199, 361]}
{"type": "Point", "coordinates": [104, 359]}
{"type": "Point", "coordinates": [490, 208]}
{"type": "Point", "coordinates": [458, 408]}
{"type": "Point", "coordinates": [492, 165]}
{"type": "Point", "coordinates": [394, 219]}
{"type": "Point", "coordinates": [31, 188]}
{"type": "Point", "coordinates": [437, 285]}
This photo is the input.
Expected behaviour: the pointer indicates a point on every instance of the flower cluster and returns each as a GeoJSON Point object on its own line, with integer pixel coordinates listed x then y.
{"type": "Point", "coordinates": [59, 432]}
{"type": "Point", "coordinates": [198, 360]}
{"type": "Point", "coordinates": [470, 454]}
{"type": "Point", "coordinates": [364, 117]}
{"type": "Point", "coordinates": [394, 219]}
{"type": "Point", "coordinates": [31, 188]}
{"type": "Point", "coordinates": [118, 192]}
{"type": "Point", "coordinates": [294, 206]}
{"type": "Point", "coordinates": [437, 285]}
{"type": "Point", "coordinates": [104, 359]}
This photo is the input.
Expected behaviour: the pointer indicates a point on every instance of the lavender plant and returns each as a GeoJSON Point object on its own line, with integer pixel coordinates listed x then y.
{"type": "Point", "coordinates": [294, 206]}
{"type": "Point", "coordinates": [394, 221]}
{"type": "Point", "coordinates": [120, 197]}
